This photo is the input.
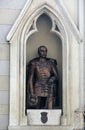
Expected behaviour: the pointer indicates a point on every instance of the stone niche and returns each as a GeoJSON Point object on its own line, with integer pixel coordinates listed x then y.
{"type": "Point", "coordinates": [47, 37]}
{"type": "Point", "coordinates": [63, 41]}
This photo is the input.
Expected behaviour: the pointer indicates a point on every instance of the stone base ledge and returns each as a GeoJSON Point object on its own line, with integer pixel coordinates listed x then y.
{"type": "Point", "coordinates": [40, 128]}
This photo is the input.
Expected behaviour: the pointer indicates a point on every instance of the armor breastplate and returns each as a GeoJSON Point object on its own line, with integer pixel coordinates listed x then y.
{"type": "Point", "coordinates": [43, 72]}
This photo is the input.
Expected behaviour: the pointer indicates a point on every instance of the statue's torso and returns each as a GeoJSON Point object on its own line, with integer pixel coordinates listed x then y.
{"type": "Point", "coordinates": [42, 73]}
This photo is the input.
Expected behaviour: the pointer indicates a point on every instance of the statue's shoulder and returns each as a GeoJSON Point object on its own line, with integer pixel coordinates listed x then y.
{"type": "Point", "coordinates": [33, 61]}
{"type": "Point", "coordinates": [51, 60]}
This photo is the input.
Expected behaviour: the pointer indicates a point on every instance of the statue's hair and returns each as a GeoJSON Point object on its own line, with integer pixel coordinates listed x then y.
{"type": "Point", "coordinates": [39, 48]}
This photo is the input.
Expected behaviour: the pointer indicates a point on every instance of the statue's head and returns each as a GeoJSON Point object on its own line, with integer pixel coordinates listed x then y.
{"type": "Point", "coordinates": [42, 51]}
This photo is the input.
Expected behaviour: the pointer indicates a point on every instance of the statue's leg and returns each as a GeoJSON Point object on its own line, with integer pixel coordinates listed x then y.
{"type": "Point", "coordinates": [50, 102]}
{"type": "Point", "coordinates": [38, 104]}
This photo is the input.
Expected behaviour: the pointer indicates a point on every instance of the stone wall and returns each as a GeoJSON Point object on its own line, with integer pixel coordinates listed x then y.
{"type": "Point", "coordinates": [9, 11]}
{"type": "Point", "coordinates": [72, 7]}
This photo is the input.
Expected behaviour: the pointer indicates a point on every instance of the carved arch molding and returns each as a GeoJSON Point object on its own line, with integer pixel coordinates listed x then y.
{"type": "Point", "coordinates": [61, 33]}
{"type": "Point", "coordinates": [24, 27]}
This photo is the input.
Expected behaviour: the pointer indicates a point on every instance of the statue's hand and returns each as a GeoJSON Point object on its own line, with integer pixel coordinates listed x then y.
{"type": "Point", "coordinates": [33, 100]}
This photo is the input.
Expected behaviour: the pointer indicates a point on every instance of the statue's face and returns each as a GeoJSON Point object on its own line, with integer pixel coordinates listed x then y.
{"type": "Point", "coordinates": [43, 52]}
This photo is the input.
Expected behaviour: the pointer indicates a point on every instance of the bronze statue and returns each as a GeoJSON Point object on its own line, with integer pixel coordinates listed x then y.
{"type": "Point", "coordinates": [41, 81]}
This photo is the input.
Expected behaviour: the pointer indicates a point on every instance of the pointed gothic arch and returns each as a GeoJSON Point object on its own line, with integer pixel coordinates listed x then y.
{"type": "Point", "coordinates": [26, 32]}
{"type": "Point", "coordinates": [25, 27]}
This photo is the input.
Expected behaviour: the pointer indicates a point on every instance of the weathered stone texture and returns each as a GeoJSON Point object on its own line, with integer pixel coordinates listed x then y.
{"type": "Point", "coordinates": [3, 97]}
{"type": "Point", "coordinates": [4, 67]}
{"type": "Point", "coordinates": [12, 4]}
{"type": "Point", "coordinates": [4, 83]}
{"type": "Point", "coordinates": [4, 51]}
{"type": "Point", "coordinates": [8, 16]}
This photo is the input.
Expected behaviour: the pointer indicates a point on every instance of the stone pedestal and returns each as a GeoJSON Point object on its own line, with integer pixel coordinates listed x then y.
{"type": "Point", "coordinates": [44, 117]}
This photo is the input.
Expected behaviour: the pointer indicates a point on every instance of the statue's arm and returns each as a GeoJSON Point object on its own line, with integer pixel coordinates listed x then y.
{"type": "Point", "coordinates": [31, 76]}
{"type": "Point", "coordinates": [54, 70]}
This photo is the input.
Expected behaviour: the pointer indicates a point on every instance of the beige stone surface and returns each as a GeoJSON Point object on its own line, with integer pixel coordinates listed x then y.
{"type": "Point", "coordinates": [12, 4]}
{"type": "Point", "coordinates": [4, 29]}
{"type": "Point", "coordinates": [3, 122]}
{"type": "Point", "coordinates": [3, 109]}
{"type": "Point", "coordinates": [3, 97]}
{"type": "Point", "coordinates": [72, 7]}
{"type": "Point", "coordinates": [35, 117]}
{"type": "Point", "coordinates": [8, 16]}
{"type": "Point", "coordinates": [41, 128]}
{"type": "Point", "coordinates": [4, 83]}
{"type": "Point", "coordinates": [4, 51]}
{"type": "Point", "coordinates": [4, 67]}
